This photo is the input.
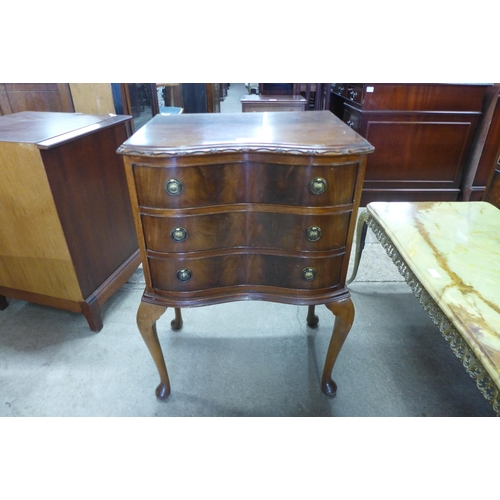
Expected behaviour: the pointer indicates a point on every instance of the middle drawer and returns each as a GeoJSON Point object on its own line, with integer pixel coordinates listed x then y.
{"type": "Point", "coordinates": [265, 230]}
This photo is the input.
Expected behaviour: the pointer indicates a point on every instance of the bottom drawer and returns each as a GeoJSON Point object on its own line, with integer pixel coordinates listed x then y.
{"type": "Point", "coordinates": [192, 274]}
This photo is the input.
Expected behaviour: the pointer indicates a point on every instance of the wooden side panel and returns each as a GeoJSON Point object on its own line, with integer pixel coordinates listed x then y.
{"type": "Point", "coordinates": [88, 183]}
{"type": "Point", "coordinates": [92, 98]}
{"type": "Point", "coordinates": [34, 255]}
{"type": "Point", "coordinates": [426, 151]}
{"type": "Point", "coordinates": [16, 97]}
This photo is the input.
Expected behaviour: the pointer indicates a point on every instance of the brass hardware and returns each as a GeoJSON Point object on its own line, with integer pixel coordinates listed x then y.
{"type": "Point", "coordinates": [313, 233]}
{"type": "Point", "coordinates": [308, 273]}
{"type": "Point", "coordinates": [317, 185]}
{"type": "Point", "coordinates": [173, 187]}
{"type": "Point", "coordinates": [179, 234]}
{"type": "Point", "coordinates": [184, 274]}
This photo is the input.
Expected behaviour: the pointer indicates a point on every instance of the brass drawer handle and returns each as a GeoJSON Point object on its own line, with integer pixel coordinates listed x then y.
{"type": "Point", "coordinates": [317, 185]}
{"type": "Point", "coordinates": [174, 187]}
{"type": "Point", "coordinates": [184, 275]}
{"type": "Point", "coordinates": [179, 234]}
{"type": "Point", "coordinates": [308, 273]}
{"type": "Point", "coordinates": [313, 233]}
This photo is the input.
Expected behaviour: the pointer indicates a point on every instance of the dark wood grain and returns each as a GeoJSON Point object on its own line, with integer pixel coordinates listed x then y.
{"type": "Point", "coordinates": [88, 182]}
{"type": "Point", "coordinates": [17, 97]}
{"type": "Point", "coordinates": [422, 133]}
{"type": "Point", "coordinates": [264, 181]}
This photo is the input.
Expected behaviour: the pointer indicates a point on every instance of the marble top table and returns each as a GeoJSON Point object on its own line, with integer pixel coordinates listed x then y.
{"type": "Point", "coordinates": [449, 254]}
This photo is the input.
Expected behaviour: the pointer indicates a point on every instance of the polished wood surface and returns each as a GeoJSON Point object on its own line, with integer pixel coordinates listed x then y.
{"type": "Point", "coordinates": [317, 133]}
{"type": "Point", "coordinates": [67, 237]}
{"type": "Point", "coordinates": [245, 206]}
{"type": "Point", "coordinates": [422, 133]}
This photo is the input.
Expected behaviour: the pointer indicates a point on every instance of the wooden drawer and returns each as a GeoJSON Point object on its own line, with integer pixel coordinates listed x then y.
{"type": "Point", "coordinates": [278, 106]}
{"type": "Point", "coordinates": [248, 182]}
{"type": "Point", "coordinates": [339, 89]}
{"type": "Point", "coordinates": [244, 269]}
{"type": "Point", "coordinates": [354, 93]}
{"type": "Point", "coordinates": [246, 229]}
{"type": "Point", "coordinates": [352, 119]}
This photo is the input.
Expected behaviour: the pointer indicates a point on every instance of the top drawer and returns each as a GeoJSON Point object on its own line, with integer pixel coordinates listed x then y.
{"type": "Point", "coordinates": [339, 89]}
{"type": "Point", "coordinates": [355, 93]}
{"type": "Point", "coordinates": [208, 185]}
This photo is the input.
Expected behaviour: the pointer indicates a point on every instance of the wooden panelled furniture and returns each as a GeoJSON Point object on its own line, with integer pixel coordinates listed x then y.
{"type": "Point", "coordinates": [245, 206]}
{"type": "Point", "coordinates": [67, 236]}
{"type": "Point", "coordinates": [486, 154]}
{"type": "Point", "coordinates": [260, 103]}
{"type": "Point", "coordinates": [422, 135]}
{"type": "Point", "coordinates": [16, 97]}
{"type": "Point", "coordinates": [317, 95]}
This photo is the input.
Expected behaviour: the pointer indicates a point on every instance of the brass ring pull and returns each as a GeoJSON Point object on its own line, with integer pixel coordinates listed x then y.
{"type": "Point", "coordinates": [313, 233]}
{"type": "Point", "coordinates": [317, 185]}
{"type": "Point", "coordinates": [174, 187]}
{"type": "Point", "coordinates": [179, 234]}
{"type": "Point", "coordinates": [184, 275]}
{"type": "Point", "coordinates": [308, 273]}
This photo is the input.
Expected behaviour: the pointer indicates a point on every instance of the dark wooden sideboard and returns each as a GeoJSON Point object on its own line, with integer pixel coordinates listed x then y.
{"type": "Point", "coordinates": [422, 135]}
{"type": "Point", "coordinates": [67, 236]}
{"type": "Point", "coordinates": [245, 206]}
{"type": "Point", "coordinates": [260, 103]}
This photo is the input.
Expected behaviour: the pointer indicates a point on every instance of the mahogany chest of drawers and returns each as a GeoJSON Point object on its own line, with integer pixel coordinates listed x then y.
{"type": "Point", "coordinates": [245, 206]}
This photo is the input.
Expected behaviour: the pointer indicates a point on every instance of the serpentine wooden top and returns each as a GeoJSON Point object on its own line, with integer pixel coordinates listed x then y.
{"type": "Point", "coordinates": [302, 133]}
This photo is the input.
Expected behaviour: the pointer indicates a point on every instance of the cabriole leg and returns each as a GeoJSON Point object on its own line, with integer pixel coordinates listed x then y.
{"type": "Point", "coordinates": [312, 319]}
{"type": "Point", "coordinates": [147, 315]}
{"type": "Point", "coordinates": [176, 323]}
{"type": "Point", "coordinates": [361, 230]}
{"type": "Point", "coordinates": [344, 317]}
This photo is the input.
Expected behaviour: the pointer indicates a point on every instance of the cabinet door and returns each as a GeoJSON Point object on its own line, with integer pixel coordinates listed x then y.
{"type": "Point", "coordinates": [16, 97]}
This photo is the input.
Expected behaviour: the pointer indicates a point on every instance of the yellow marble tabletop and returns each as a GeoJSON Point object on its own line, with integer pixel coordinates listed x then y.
{"type": "Point", "coordinates": [453, 248]}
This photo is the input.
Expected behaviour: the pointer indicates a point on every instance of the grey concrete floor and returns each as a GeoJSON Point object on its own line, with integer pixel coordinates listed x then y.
{"type": "Point", "coordinates": [246, 358]}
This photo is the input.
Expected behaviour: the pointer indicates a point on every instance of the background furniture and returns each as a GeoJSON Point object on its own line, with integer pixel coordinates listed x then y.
{"type": "Point", "coordinates": [16, 97]}
{"type": "Point", "coordinates": [245, 206]}
{"type": "Point", "coordinates": [67, 236]}
{"type": "Point", "coordinates": [317, 95]}
{"type": "Point", "coordinates": [492, 194]}
{"type": "Point", "coordinates": [422, 135]}
{"type": "Point", "coordinates": [259, 103]}
{"type": "Point", "coordinates": [485, 152]}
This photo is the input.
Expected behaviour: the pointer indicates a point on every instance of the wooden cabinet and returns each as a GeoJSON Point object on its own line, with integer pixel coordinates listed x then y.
{"type": "Point", "coordinates": [245, 206]}
{"type": "Point", "coordinates": [67, 237]}
{"type": "Point", "coordinates": [260, 103]}
{"type": "Point", "coordinates": [486, 153]}
{"type": "Point", "coordinates": [422, 135]}
{"type": "Point", "coordinates": [16, 97]}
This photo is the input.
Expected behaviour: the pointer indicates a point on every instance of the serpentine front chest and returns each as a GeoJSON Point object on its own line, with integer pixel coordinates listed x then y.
{"type": "Point", "coordinates": [245, 206]}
